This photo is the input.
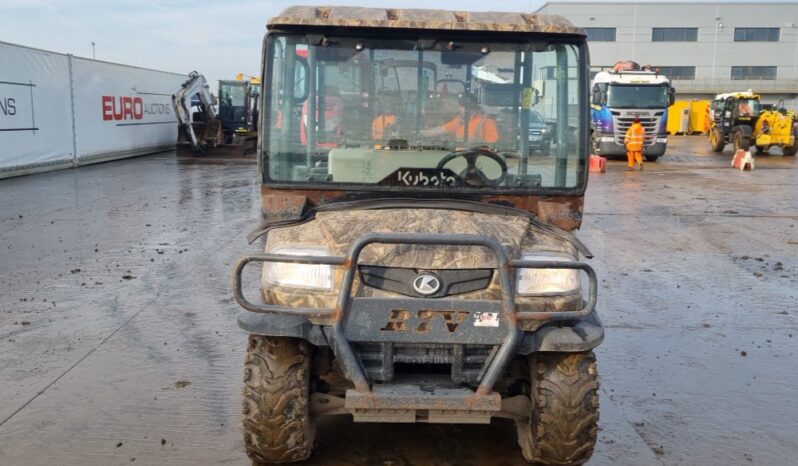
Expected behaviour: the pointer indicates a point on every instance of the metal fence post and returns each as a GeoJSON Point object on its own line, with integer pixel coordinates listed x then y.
{"type": "Point", "coordinates": [72, 111]}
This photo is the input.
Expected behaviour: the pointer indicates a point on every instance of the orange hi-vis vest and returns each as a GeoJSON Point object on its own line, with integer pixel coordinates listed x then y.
{"type": "Point", "coordinates": [635, 137]}
{"type": "Point", "coordinates": [480, 128]}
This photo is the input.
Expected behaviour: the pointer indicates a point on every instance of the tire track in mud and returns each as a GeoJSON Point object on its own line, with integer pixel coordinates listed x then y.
{"type": "Point", "coordinates": [694, 333]}
{"type": "Point", "coordinates": [89, 353]}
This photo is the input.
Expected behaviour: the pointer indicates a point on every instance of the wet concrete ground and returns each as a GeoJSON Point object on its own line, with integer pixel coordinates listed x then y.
{"type": "Point", "coordinates": [118, 341]}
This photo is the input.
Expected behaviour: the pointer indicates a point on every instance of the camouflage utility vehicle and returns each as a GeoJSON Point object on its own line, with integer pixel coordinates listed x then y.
{"type": "Point", "coordinates": [419, 264]}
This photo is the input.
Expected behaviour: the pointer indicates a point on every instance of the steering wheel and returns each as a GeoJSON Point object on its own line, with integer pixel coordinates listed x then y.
{"type": "Point", "coordinates": [472, 175]}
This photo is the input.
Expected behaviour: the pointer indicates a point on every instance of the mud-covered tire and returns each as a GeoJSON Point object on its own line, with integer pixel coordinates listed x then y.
{"type": "Point", "coordinates": [563, 425]}
{"type": "Point", "coordinates": [277, 424]}
{"type": "Point", "coordinates": [716, 139]}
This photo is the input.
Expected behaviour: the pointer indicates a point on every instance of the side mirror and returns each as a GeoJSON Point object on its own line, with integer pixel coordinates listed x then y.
{"type": "Point", "coordinates": [597, 97]}
{"type": "Point", "coordinates": [672, 96]}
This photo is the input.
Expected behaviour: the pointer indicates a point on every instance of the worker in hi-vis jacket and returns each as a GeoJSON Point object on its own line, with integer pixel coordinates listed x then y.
{"type": "Point", "coordinates": [635, 136]}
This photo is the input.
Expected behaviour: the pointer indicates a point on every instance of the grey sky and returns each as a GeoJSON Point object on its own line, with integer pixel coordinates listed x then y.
{"type": "Point", "coordinates": [216, 38]}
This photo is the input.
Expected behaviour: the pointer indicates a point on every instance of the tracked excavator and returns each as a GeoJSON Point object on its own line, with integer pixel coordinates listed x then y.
{"type": "Point", "coordinates": [201, 131]}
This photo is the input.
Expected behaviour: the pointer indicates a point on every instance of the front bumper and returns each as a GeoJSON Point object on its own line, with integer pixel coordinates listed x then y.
{"type": "Point", "coordinates": [539, 142]}
{"type": "Point", "coordinates": [451, 324]}
{"type": "Point", "coordinates": [583, 335]}
{"type": "Point", "coordinates": [611, 149]}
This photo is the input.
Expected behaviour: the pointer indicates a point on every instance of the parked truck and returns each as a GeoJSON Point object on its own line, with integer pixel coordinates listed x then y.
{"type": "Point", "coordinates": [623, 93]}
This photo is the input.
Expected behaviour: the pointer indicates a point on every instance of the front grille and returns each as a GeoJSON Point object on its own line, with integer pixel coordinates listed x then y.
{"type": "Point", "coordinates": [464, 362]}
{"type": "Point", "coordinates": [400, 280]}
{"type": "Point", "coordinates": [623, 124]}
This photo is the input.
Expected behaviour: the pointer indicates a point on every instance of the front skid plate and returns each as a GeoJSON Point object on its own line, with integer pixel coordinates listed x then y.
{"type": "Point", "coordinates": [417, 403]}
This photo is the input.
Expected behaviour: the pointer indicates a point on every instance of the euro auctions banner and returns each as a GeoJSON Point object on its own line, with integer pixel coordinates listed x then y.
{"type": "Point", "coordinates": [58, 111]}
{"type": "Point", "coordinates": [122, 110]}
{"type": "Point", "coordinates": [35, 109]}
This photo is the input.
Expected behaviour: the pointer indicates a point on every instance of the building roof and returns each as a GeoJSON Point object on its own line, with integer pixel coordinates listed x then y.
{"type": "Point", "coordinates": [422, 19]}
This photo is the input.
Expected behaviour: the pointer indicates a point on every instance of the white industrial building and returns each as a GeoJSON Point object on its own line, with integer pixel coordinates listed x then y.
{"type": "Point", "coordinates": [705, 47]}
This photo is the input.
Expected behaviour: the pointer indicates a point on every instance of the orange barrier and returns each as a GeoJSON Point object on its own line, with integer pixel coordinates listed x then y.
{"type": "Point", "coordinates": [598, 164]}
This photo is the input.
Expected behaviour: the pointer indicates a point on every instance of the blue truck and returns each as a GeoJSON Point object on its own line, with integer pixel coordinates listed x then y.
{"type": "Point", "coordinates": [617, 98]}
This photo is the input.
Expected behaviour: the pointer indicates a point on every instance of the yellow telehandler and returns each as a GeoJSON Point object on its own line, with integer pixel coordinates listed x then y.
{"type": "Point", "coordinates": [776, 127]}
{"type": "Point", "coordinates": [738, 118]}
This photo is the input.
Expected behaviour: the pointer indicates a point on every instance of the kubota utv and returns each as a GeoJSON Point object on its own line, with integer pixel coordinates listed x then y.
{"type": "Point", "coordinates": [738, 118]}
{"type": "Point", "coordinates": [419, 259]}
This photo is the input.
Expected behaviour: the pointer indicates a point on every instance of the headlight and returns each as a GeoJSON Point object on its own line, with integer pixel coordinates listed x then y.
{"type": "Point", "coordinates": [544, 131]}
{"type": "Point", "coordinates": [547, 281]}
{"type": "Point", "coordinates": [307, 276]}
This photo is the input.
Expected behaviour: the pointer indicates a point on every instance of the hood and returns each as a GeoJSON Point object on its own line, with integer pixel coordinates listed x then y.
{"type": "Point", "coordinates": [337, 231]}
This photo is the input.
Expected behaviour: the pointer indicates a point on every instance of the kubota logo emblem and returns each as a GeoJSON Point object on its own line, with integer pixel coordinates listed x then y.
{"type": "Point", "coordinates": [426, 284]}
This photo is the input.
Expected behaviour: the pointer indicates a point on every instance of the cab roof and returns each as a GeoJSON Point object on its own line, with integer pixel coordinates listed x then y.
{"type": "Point", "coordinates": [631, 77]}
{"type": "Point", "coordinates": [749, 94]}
{"type": "Point", "coordinates": [356, 17]}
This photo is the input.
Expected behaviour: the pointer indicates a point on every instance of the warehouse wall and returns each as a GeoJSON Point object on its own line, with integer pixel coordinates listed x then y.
{"type": "Point", "coordinates": [713, 54]}
{"type": "Point", "coordinates": [59, 111]}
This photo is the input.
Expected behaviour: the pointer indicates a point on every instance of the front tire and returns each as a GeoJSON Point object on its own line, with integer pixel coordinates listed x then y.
{"type": "Point", "coordinates": [741, 142]}
{"type": "Point", "coordinates": [716, 139]}
{"type": "Point", "coordinates": [546, 149]}
{"type": "Point", "coordinates": [563, 424]}
{"type": "Point", "coordinates": [277, 423]}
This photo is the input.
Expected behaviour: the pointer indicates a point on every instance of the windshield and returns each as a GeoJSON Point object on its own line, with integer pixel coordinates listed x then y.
{"type": "Point", "coordinates": [423, 114]}
{"type": "Point", "coordinates": [233, 95]}
{"type": "Point", "coordinates": [534, 117]}
{"type": "Point", "coordinates": [748, 107]}
{"type": "Point", "coordinates": [631, 96]}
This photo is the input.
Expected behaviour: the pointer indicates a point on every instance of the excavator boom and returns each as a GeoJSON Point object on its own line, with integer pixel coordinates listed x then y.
{"type": "Point", "coordinates": [211, 128]}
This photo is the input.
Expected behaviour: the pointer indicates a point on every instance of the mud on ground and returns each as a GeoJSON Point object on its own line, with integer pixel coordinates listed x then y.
{"type": "Point", "coordinates": [118, 341]}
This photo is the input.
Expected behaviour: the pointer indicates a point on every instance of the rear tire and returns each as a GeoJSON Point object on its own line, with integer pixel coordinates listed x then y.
{"type": "Point", "coordinates": [716, 139]}
{"type": "Point", "coordinates": [277, 423]}
{"type": "Point", "coordinates": [652, 158]}
{"type": "Point", "coordinates": [791, 150]}
{"type": "Point", "coordinates": [563, 425]}
{"type": "Point", "coordinates": [741, 142]}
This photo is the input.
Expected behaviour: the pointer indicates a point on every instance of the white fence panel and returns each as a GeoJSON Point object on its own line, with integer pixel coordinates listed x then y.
{"type": "Point", "coordinates": [122, 111]}
{"type": "Point", "coordinates": [35, 110]}
{"type": "Point", "coordinates": [59, 111]}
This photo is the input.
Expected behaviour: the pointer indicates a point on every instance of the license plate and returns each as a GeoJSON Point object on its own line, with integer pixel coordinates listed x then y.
{"type": "Point", "coordinates": [535, 138]}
